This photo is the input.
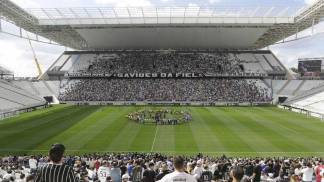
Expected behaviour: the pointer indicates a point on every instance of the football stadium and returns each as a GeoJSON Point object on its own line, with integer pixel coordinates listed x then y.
{"type": "Point", "coordinates": [141, 91]}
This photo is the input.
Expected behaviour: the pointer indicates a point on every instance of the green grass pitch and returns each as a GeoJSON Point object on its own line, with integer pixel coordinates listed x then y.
{"type": "Point", "coordinates": [234, 131]}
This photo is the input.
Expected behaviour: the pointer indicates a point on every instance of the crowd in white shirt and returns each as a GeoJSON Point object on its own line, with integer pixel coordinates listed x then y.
{"type": "Point", "coordinates": [150, 167]}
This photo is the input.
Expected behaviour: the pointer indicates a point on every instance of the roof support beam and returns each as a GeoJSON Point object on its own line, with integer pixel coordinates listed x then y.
{"type": "Point", "coordinates": [102, 15]}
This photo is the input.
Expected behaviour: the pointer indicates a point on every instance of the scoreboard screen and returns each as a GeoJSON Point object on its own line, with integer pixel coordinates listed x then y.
{"type": "Point", "coordinates": [310, 66]}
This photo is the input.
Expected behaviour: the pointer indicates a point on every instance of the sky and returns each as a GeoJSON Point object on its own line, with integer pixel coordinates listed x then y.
{"type": "Point", "coordinates": [16, 54]}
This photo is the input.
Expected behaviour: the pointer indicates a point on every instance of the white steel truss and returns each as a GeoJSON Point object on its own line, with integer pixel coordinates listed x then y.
{"type": "Point", "coordinates": [59, 25]}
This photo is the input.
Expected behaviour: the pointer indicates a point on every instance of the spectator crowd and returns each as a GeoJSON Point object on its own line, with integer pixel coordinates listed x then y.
{"type": "Point", "coordinates": [156, 62]}
{"type": "Point", "coordinates": [190, 90]}
{"type": "Point", "coordinates": [150, 167]}
{"type": "Point", "coordinates": [220, 87]}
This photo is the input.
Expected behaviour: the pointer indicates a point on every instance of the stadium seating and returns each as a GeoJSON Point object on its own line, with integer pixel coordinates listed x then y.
{"type": "Point", "coordinates": [308, 85]}
{"type": "Point", "coordinates": [221, 62]}
{"type": "Point", "coordinates": [263, 62]}
{"type": "Point", "coordinates": [290, 88]}
{"type": "Point", "coordinates": [8, 105]}
{"type": "Point", "coordinates": [40, 88]}
{"type": "Point", "coordinates": [178, 90]}
{"type": "Point", "coordinates": [251, 64]}
{"type": "Point", "coordinates": [313, 103]}
{"type": "Point", "coordinates": [215, 82]}
{"type": "Point", "coordinates": [277, 85]}
{"type": "Point", "coordinates": [309, 98]}
{"type": "Point", "coordinates": [15, 98]}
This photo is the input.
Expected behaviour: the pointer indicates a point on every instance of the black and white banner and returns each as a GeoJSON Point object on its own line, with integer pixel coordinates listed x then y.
{"type": "Point", "coordinates": [136, 75]}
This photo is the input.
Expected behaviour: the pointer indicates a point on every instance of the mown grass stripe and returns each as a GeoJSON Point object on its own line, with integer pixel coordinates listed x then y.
{"type": "Point", "coordinates": [233, 140]}
{"type": "Point", "coordinates": [251, 130]}
{"type": "Point", "coordinates": [165, 140]}
{"type": "Point", "coordinates": [32, 137]}
{"type": "Point", "coordinates": [102, 139]}
{"type": "Point", "coordinates": [125, 138]}
{"type": "Point", "coordinates": [32, 115]}
{"type": "Point", "coordinates": [269, 133]}
{"type": "Point", "coordinates": [288, 141]}
{"type": "Point", "coordinates": [144, 138]}
{"type": "Point", "coordinates": [297, 134]}
{"type": "Point", "coordinates": [234, 131]}
{"type": "Point", "coordinates": [80, 133]}
{"type": "Point", "coordinates": [184, 140]}
{"type": "Point", "coordinates": [205, 132]}
{"type": "Point", "coordinates": [292, 118]}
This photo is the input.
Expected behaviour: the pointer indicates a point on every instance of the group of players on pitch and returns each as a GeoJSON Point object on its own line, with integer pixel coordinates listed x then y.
{"type": "Point", "coordinates": [161, 117]}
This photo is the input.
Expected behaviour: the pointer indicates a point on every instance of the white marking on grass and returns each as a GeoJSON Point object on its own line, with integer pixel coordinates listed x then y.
{"type": "Point", "coordinates": [153, 143]}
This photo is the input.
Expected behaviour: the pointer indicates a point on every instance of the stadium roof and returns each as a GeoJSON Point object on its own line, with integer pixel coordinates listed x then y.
{"type": "Point", "coordinates": [164, 27]}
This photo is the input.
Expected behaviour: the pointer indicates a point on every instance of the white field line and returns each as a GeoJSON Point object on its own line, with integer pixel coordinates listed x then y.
{"type": "Point", "coordinates": [153, 143]}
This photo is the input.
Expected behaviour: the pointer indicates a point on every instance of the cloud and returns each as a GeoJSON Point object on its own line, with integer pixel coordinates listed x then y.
{"type": "Point", "coordinates": [27, 3]}
{"type": "Point", "coordinates": [18, 56]}
{"type": "Point", "coordinates": [214, 1]}
{"type": "Point", "coordinates": [289, 53]}
{"type": "Point", "coordinates": [125, 3]}
{"type": "Point", "coordinates": [310, 2]}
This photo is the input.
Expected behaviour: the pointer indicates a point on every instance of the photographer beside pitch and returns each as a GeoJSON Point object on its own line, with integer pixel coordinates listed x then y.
{"type": "Point", "coordinates": [55, 170]}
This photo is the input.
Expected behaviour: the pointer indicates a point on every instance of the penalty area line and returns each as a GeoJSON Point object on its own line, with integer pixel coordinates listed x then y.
{"type": "Point", "coordinates": [153, 143]}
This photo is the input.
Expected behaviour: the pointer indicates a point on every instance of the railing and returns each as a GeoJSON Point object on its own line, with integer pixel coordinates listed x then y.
{"type": "Point", "coordinates": [16, 111]}
{"type": "Point", "coordinates": [302, 110]}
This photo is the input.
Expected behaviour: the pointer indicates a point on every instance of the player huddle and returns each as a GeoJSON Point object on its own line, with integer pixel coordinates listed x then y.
{"type": "Point", "coordinates": [161, 117]}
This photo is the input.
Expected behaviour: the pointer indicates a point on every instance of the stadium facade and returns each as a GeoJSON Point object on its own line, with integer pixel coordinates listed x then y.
{"type": "Point", "coordinates": [218, 47]}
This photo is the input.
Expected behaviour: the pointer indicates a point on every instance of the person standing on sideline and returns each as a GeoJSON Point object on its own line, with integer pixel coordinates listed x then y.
{"type": "Point", "coordinates": [179, 173]}
{"type": "Point", "coordinates": [55, 170]}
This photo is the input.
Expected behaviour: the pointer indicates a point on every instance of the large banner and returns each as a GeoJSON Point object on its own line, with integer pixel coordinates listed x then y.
{"type": "Point", "coordinates": [136, 75]}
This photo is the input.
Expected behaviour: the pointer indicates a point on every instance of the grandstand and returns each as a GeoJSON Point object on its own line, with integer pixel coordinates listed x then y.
{"type": "Point", "coordinates": [125, 59]}
{"type": "Point", "coordinates": [137, 85]}
{"type": "Point", "coordinates": [5, 73]}
{"type": "Point", "coordinates": [15, 100]}
{"type": "Point", "coordinates": [179, 69]}
{"type": "Point", "coordinates": [204, 50]}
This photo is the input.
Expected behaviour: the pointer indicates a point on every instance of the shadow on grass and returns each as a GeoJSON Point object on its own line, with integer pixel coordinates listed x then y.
{"type": "Point", "coordinates": [35, 131]}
